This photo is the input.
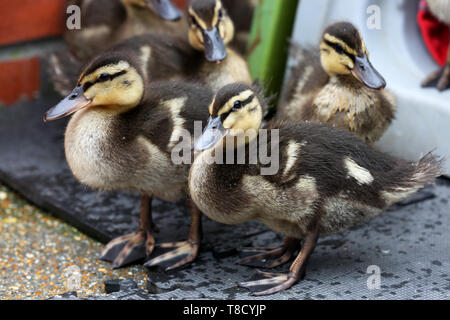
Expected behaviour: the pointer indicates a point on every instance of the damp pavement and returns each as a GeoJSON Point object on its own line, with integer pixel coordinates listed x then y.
{"type": "Point", "coordinates": [408, 245]}
{"type": "Point", "coordinates": [40, 253]}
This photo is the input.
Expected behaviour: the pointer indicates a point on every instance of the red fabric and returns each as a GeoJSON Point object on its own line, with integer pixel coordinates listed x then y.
{"type": "Point", "coordinates": [435, 33]}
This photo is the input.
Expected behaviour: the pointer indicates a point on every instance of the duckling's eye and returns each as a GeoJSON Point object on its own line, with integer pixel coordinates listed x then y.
{"type": "Point", "coordinates": [104, 77]}
{"type": "Point", "coordinates": [237, 105]}
{"type": "Point", "coordinates": [339, 48]}
{"type": "Point", "coordinates": [195, 22]}
{"type": "Point", "coordinates": [220, 13]}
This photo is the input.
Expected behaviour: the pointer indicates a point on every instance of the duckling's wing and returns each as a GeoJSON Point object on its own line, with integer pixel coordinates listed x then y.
{"type": "Point", "coordinates": [340, 162]}
{"type": "Point", "coordinates": [306, 75]}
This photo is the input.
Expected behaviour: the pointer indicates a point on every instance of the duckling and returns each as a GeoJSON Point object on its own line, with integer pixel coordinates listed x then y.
{"type": "Point", "coordinates": [107, 22]}
{"type": "Point", "coordinates": [210, 31]}
{"type": "Point", "coordinates": [121, 137]}
{"type": "Point", "coordinates": [119, 20]}
{"type": "Point", "coordinates": [342, 88]}
{"type": "Point", "coordinates": [327, 179]}
{"type": "Point", "coordinates": [172, 57]}
{"type": "Point", "coordinates": [440, 78]}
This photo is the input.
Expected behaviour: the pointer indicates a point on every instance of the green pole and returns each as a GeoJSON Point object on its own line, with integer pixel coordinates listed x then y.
{"type": "Point", "coordinates": [268, 47]}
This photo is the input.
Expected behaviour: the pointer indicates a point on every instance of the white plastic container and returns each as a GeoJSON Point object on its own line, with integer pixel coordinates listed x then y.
{"type": "Point", "coordinates": [396, 50]}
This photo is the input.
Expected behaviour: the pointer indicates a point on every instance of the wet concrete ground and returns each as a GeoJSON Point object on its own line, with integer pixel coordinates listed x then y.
{"type": "Point", "coordinates": [39, 253]}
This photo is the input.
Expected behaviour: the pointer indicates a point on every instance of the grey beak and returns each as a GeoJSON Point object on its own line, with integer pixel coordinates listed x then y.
{"type": "Point", "coordinates": [215, 49]}
{"type": "Point", "coordinates": [72, 103]}
{"type": "Point", "coordinates": [367, 74]}
{"type": "Point", "coordinates": [212, 134]}
{"type": "Point", "coordinates": [165, 9]}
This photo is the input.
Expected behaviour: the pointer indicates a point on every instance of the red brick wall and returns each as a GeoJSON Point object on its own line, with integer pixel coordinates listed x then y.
{"type": "Point", "coordinates": [22, 21]}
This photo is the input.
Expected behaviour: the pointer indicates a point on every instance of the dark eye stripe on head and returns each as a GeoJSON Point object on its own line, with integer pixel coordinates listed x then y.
{"type": "Point", "coordinates": [103, 78]}
{"type": "Point", "coordinates": [339, 49]}
{"type": "Point", "coordinates": [223, 116]}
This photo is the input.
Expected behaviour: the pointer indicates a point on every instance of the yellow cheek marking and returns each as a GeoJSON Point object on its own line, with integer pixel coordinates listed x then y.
{"type": "Point", "coordinates": [244, 119]}
{"type": "Point", "coordinates": [332, 39]}
{"type": "Point", "coordinates": [333, 62]}
{"type": "Point", "coordinates": [200, 21]}
{"type": "Point", "coordinates": [242, 97]}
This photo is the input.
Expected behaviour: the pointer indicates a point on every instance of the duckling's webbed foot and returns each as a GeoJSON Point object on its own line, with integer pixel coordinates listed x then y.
{"type": "Point", "coordinates": [272, 283]}
{"type": "Point", "coordinates": [270, 257]}
{"type": "Point", "coordinates": [439, 79]}
{"type": "Point", "coordinates": [184, 252]}
{"type": "Point", "coordinates": [136, 246]}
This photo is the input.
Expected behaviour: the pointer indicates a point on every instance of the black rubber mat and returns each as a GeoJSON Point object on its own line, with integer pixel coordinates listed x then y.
{"type": "Point", "coordinates": [410, 244]}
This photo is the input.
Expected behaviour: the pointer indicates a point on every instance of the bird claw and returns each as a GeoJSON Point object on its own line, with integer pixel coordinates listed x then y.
{"type": "Point", "coordinates": [439, 79]}
{"type": "Point", "coordinates": [184, 253]}
{"type": "Point", "coordinates": [270, 283]}
{"type": "Point", "coordinates": [128, 249]}
{"type": "Point", "coordinates": [266, 257]}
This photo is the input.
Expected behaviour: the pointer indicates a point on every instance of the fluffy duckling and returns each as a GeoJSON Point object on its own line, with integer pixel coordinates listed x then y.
{"type": "Point", "coordinates": [340, 88]}
{"type": "Point", "coordinates": [327, 180]}
{"type": "Point", "coordinates": [104, 24]}
{"type": "Point", "coordinates": [165, 56]}
{"type": "Point", "coordinates": [107, 22]}
{"type": "Point", "coordinates": [210, 31]}
{"type": "Point", "coordinates": [440, 78]}
{"type": "Point", "coordinates": [121, 137]}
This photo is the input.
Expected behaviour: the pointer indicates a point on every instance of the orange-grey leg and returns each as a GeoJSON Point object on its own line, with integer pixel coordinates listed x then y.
{"type": "Point", "coordinates": [441, 78]}
{"type": "Point", "coordinates": [185, 251]}
{"type": "Point", "coordinates": [274, 283]}
{"type": "Point", "coordinates": [136, 246]}
{"type": "Point", "coordinates": [270, 257]}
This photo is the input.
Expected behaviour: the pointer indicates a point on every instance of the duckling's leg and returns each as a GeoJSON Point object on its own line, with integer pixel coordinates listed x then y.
{"type": "Point", "coordinates": [279, 255]}
{"type": "Point", "coordinates": [440, 78]}
{"type": "Point", "coordinates": [135, 246]}
{"type": "Point", "coordinates": [278, 282]}
{"type": "Point", "coordinates": [185, 251]}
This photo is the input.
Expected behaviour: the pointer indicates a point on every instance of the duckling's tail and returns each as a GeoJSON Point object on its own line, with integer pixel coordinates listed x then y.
{"type": "Point", "coordinates": [64, 70]}
{"type": "Point", "coordinates": [423, 172]}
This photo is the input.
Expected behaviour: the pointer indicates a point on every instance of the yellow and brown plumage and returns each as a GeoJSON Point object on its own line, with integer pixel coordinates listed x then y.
{"type": "Point", "coordinates": [121, 137]}
{"type": "Point", "coordinates": [324, 181]}
{"type": "Point", "coordinates": [105, 23]}
{"type": "Point", "coordinates": [190, 57]}
{"type": "Point", "coordinates": [339, 86]}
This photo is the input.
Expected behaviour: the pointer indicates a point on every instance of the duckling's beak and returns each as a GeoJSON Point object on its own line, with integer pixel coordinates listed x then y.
{"type": "Point", "coordinates": [367, 74]}
{"type": "Point", "coordinates": [212, 134]}
{"type": "Point", "coordinates": [165, 9]}
{"type": "Point", "coordinates": [215, 50]}
{"type": "Point", "coordinates": [72, 103]}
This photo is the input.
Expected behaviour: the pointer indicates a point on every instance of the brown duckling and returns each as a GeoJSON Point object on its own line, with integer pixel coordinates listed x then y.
{"type": "Point", "coordinates": [121, 137]}
{"type": "Point", "coordinates": [167, 56]}
{"type": "Point", "coordinates": [104, 24]}
{"type": "Point", "coordinates": [210, 32]}
{"type": "Point", "coordinates": [441, 78]}
{"type": "Point", "coordinates": [327, 180]}
{"type": "Point", "coordinates": [107, 22]}
{"type": "Point", "coordinates": [339, 87]}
